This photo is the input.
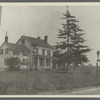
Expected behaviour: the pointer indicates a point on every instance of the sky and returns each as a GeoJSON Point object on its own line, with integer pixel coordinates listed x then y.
{"type": "Point", "coordinates": [43, 20]}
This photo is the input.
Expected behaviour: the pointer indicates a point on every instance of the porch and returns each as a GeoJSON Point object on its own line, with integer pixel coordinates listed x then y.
{"type": "Point", "coordinates": [42, 62]}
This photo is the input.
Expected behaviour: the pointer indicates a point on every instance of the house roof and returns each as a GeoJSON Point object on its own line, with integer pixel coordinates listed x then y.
{"type": "Point", "coordinates": [39, 42]}
{"type": "Point", "coordinates": [17, 47]}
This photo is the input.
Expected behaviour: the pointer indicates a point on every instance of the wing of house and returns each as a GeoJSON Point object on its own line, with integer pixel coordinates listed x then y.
{"type": "Point", "coordinates": [8, 50]}
{"type": "Point", "coordinates": [35, 53]}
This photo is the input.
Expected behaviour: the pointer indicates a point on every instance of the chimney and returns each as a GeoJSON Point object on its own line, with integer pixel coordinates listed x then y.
{"type": "Point", "coordinates": [6, 38]}
{"type": "Point", "coordinates": [46, 38]}
{"type": "Point", "coordinates": [38, 37]}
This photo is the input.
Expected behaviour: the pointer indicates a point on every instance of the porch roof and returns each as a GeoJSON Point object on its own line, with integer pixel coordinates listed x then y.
{"type": "Point", "coordinates": [17, 47]}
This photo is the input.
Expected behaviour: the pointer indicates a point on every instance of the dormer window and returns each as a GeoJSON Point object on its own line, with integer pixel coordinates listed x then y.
{"type": "Point", "coordinates": [23, 41]}
{"type": "Point", "coordinates": [34, 45]}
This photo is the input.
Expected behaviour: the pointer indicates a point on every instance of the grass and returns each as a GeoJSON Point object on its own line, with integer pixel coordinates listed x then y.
{"type": "Point", "coordinates": [33, 82]}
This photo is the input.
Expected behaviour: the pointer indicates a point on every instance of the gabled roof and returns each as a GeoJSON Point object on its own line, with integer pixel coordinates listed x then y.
{"type": "Point", "coordinates": [17, 47]}
{"type": "Point", "coordinates": [39, 42]}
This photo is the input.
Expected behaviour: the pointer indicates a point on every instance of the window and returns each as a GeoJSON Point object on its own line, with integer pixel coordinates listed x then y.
{"type": "Point", "coordinates": [1, 51]}
{"type": "Point", "coordinates": [32, 52]}
{"type": "Point", "coordinates": [48, 62]}
{"type": "Point", "coordinates": [25, 54]}
{"type": "Point", "coordinates": [15, 52]}
{"type": "Point", "coordinates": [41, 61]}
{"type": "Point", "coordinates": [48, 52]}
{"type": "Point", "coordinates": [6, 51]}
{"type": "Point", "coordinates": [37, 50]}
{"type": "Point", "coordinates": [25, 61]}
{"type": "Point", "coordinates": [23, 41]}
{"type": "Point", "coordinates": [43, 51]}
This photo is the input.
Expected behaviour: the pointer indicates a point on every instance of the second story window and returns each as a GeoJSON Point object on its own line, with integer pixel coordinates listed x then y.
{"type": "Point", "coordinates": [6, 51]}
{"type": "Point", "coordinates": [15, 52]}
{"type": "Point", "coordinates": [37, 51]}
{"type": "Point", "coordinates": [1, 51]}
{"type": "Point", "coordinates": [43, 51]}
{"type": "Point", "coordinates": [48, 52]}
{"type": "Point", "coordinates": [23, 41]}
{"type": "Point", "coordinates": [25, 54]}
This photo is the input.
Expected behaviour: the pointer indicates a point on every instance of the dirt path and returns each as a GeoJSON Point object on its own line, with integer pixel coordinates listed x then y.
{"type": "Point", "coordinates": [80, 91]}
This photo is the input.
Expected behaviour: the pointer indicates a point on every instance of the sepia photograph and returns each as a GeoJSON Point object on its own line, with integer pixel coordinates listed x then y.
{"type": "Point", "coordinates": [50, 49]}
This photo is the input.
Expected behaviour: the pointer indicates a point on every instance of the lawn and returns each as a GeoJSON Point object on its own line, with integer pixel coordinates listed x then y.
{"type": "Point", "coordinates": [33, 82]}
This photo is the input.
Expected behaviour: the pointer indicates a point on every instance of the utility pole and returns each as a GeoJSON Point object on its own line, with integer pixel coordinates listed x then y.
{"type": "Point", "coordinates": [97, 65]}
{"type": "Point", "coordinates": [97, 62]}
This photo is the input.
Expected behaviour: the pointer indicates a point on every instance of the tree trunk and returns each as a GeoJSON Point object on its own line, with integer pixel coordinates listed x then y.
{"type": "Point", "coordinates": [75, 66]}
{"type": "Point", "coordinates": [97, 68]}
{"type": "Point", "coordinates": [67, 67]}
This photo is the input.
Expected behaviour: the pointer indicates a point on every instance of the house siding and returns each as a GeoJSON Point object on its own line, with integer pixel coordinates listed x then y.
{"type": "Point", "coordinates": [31, 48]}
{"type": "Point", "coordinates": [4, 56]}
{"type": "Point", "coordinates": [10, 54]}
{"type": "Point", "coordinates": [34, 60]}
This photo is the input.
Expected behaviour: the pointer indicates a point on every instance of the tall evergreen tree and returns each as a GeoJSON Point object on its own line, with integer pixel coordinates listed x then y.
{"type": "Point", "coordinates": [71, 47]}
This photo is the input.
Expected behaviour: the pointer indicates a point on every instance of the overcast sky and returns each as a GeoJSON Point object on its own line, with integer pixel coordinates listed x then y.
{"type": "Point", "coordinates": [45, 20]}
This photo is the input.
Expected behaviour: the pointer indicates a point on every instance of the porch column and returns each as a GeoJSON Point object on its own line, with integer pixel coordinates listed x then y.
{"type": "Point", "coordinates": [38, 63]}
{"type": "Point", "coordinates": [51, 64]}
{"type": "Point", "coordinates": [45, 65]}
{"type": "Point", "coordinates": [30, 61]}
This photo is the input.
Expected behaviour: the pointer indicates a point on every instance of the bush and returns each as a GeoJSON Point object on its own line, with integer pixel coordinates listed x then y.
{"type": "Point", "coordinates": [13, 63]}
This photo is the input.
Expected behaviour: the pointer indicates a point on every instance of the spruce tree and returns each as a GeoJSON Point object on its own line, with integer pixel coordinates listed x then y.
{"type": "Point", "coordinates": [71, 47]}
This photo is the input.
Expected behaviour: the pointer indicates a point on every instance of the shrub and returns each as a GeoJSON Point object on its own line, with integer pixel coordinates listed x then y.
{"type": "Point", "coordinates": [13, 63]}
